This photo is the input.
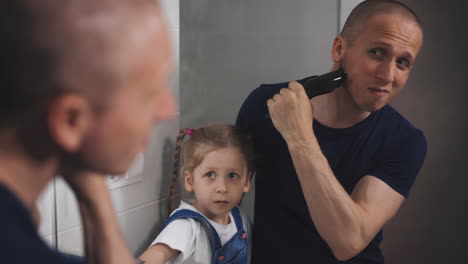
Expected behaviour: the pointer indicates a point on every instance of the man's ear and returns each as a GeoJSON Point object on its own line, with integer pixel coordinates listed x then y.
{"type": "Point", "coordinates": [248, 183]}
{"type": "Point", "coordinates": [338, 49]}
{"type": "Point", "coordinates": [68, 120]}
{"type": "Point", "coordinates": [188, 181]}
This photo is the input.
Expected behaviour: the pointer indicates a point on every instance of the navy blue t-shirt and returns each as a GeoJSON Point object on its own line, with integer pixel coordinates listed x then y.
{"type": "Point", "coordinates": [19, 240]}
{"type": "Point", "coordinates": [384, 145]}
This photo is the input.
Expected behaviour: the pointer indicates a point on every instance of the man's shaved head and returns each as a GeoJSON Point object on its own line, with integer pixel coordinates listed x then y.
{"type": "Point", "coordinates": [51, 47]}
{"type": "Point", "coordinates": [358, 18]}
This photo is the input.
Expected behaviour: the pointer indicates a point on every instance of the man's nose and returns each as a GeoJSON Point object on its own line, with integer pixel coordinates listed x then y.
{"type": "Point", "coordinates": [165, 106]}
{"type": "Point", "coordinates": [386, 72]}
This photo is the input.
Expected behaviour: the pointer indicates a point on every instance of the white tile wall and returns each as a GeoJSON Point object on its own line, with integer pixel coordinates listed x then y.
{"type": "Point", "coordinates": [140, 206]}
{"type": "Point", "coordinates": [139, 225]}
{"type": "Point", "coordinates": [68, 216]}
{"type": "Point", "coordinates": [71, 241]}
{"type": "Point", "coordinates": [47, 215]}
{"type": "Point", "coordinates": [142, 224]}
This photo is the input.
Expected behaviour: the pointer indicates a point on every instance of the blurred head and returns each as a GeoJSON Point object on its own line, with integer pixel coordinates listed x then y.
{"type": "Point", "coordinates": [377, 48]}
{"type": "Point", "coordinates": [86, 77]}
{"type": "Point", "coordinates": [218, 162]}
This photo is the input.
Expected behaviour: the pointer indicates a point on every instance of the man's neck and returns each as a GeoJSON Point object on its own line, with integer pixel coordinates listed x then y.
{"type": "Point", "coordinates": [337, 109]}
{"type": "Point", "coordinates": [22, 175]}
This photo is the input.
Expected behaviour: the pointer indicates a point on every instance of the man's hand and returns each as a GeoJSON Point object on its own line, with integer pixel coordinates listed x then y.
{"type": "Point", "coordinates": [86, 185]}
{"type": "Point", "coordinates": [104, 242]}
{"type": "Point", "coordinates": [292, 114]}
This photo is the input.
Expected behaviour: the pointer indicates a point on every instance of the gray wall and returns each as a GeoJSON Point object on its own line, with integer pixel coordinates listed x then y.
{"type": "Point", "coordinates": [432, 225]}
{"type": "Point", "coordinates": [230, 47]}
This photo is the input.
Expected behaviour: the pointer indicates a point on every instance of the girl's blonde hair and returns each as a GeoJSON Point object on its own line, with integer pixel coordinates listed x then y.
{"type": "Point", "coordinates": [202, 141]}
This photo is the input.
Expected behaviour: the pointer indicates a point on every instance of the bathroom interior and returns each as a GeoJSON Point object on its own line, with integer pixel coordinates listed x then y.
{"type": "Point", "coordinates": [223, 49]}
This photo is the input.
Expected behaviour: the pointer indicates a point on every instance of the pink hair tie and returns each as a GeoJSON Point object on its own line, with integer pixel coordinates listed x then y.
{"type": "Point", "coordinates": [190, 131]}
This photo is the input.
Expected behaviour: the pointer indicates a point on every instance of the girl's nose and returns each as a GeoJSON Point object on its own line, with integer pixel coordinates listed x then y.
{"type": "Point", "coordinates": [221, 186]}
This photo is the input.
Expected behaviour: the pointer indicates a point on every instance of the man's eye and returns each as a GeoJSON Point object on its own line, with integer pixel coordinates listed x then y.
{"type": "Point", "coordinates": [377, 52]}
{"type": "Point", "coordinates": [210, 174]}
{"type": "Point", "coordinates": [403, 64]}
{"type": "Point", "coordinates": [233, 175]}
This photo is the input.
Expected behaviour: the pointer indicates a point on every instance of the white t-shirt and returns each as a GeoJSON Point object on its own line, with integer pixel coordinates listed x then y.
{"type": "Point", "coordinates": [190, 238]}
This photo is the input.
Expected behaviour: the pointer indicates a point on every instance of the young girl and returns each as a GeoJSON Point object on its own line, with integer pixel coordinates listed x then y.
{"type": "Point", "coordinates": [218, 165]}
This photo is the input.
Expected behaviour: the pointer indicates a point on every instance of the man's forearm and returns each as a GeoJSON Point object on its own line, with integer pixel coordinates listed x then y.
{"type": "Point", "coordinates": [339, 220]}
{"type": "Point", "coordinates": [337, 217]}
{"type": "Point", "coordinates": [104, 242]}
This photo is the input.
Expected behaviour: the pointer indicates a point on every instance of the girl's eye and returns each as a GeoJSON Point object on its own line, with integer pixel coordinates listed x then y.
{"type": "Point", "coordinates": [210, 174]}
{"type": "Point", "coordinates": [233, 175]}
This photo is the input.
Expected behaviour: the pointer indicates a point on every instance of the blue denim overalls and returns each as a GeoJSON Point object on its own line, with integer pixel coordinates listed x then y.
{"type": "Point", "coordinates": [235, 249]}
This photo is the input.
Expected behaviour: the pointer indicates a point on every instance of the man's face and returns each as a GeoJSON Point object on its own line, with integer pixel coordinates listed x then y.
{"type": "Point", "coordinates": [123, 130]}
{"type": "Point", "coordinates": [379, 61]}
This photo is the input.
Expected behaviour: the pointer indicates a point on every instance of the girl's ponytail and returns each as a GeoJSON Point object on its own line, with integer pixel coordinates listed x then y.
{"type": "Point", "coordinates": [175, 169]}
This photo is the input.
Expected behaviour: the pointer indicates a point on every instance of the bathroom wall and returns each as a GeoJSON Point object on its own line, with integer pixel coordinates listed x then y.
{"type": "Point", "coordinates": [431, 225]}
{"type": "Point", "coordinates": [228, 48]}
{"type": "Point", "coordinates": [139, 196]}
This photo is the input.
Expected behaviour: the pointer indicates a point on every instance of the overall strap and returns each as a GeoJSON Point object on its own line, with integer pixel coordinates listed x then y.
{"type": "Point", "coordinates": [237, 218]}
{"type": "Point", "coordinates": [215, 241]}
{"type": "Point", "coordinates": [234, 251]}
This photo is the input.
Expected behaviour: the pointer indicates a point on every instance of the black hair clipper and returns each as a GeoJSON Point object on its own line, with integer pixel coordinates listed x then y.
{"type": "Point", "coordinates": [322, 84]}
{"type": "Point", "coordinates": [325, 83]}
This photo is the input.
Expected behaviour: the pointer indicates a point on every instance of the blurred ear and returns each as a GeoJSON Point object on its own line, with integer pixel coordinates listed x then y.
{"type": "Point", "coordinates": [338, 49]}
{"type": "Point", "coordinates": [188, 181]}
{"type": "Point", "coordinates": [248, 182]}
{"type": "Point", "coordinates": [68, 120]}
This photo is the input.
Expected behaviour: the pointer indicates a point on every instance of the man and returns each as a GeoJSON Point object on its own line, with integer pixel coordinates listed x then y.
{"type": "Point", "coordinates": [334, 169]}
{"type": "Point", "coordinates": [82, 84]}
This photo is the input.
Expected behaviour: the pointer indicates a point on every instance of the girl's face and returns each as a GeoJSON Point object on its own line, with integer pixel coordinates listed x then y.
{"type": "Point", "coordinates": [218, 183]}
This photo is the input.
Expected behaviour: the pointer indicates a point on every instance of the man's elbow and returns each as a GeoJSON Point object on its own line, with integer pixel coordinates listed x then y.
{"type": "Point", "coordinates": [347, 249]}
{"type": "Point", "coordinates": [344, 256]}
